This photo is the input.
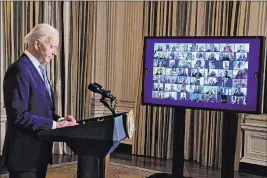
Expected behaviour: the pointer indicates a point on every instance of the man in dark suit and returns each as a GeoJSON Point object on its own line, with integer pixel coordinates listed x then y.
{"type": "Point", "coordinates": [30, 107]}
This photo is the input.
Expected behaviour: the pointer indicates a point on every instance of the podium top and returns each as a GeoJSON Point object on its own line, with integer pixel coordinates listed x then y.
{"type": "Point", "coordinates": [97, 136]}
{"type": "Point", "coordinates": [129, 123]}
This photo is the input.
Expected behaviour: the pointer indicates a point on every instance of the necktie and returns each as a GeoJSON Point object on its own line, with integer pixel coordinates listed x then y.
{"type": "Point", "coordinates": [45, 79]}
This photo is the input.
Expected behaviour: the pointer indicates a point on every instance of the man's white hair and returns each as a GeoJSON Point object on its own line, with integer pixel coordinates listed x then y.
{"type": "Point", "coordinates": [41, 32]}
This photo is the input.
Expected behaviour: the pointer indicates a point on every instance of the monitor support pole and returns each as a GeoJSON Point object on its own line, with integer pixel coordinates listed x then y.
{"type": "Point", "coordinates": [178, 143]}
{"type": "Point", "coordinates": [178, 146]}
{"type": "Point", "coordinates": [230, 120]}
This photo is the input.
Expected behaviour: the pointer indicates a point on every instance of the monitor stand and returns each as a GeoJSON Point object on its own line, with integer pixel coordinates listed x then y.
{"type": "Point", "coordinates": [230, 120]}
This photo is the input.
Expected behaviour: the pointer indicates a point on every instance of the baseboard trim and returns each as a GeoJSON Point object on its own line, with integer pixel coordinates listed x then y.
{"type": "Point", "coordinates": [253, 169]}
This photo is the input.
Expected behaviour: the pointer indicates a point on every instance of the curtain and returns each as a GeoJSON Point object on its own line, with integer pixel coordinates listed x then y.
{"type": "Point", "coordinates": [70, 71]}
{"type": "Point", "coordinates": [102, 42]}
{"type": "Point", "coordinates": [203, 134]}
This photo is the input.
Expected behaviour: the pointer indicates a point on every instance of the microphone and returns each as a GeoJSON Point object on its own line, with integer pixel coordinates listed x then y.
{"type": "Point", "coordinates": [97, 88]}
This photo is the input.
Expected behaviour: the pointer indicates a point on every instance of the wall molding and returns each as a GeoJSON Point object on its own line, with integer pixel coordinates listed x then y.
{"type": "Point", "coordinates": [3, 121]}
{"type": "Point", "coordinates": [254, 148]}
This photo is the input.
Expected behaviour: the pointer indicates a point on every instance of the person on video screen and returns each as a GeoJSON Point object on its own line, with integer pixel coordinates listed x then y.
{"type": "Point", "coordinates": [226, 74]}
{"type": "Point", "coordinates": [193, 48]}
{"type": "Point", "coordinates": [172, 89]}
{"type": "Point", "coordinates": [159, 71]}
{"type": "Point", "coordinates": [197, 74]}
{"type": "Point", "coordinates": [198, 64]}
{"type": "Point", "coordinates": [197, 99]}
{"type": "Point", "coordinates": [183, 89]}
{"type": "Point", "coordinates": [240, 65]}
{"type": "Point", "coordinates": [238, 92]}
{"type": "Point", "coordinates": [197, 89]}
{"type": "Point", "coordinates": [212, 74]}
{"type": "Point", "coordinates": [212, 57]}
{"type": "Point", "coordinates": [242, 57]}
{"type": "Point", "coordinates": [182, 72]}
{"type": "Point", "coordinates": [239, 75]}
{"type": "Point", "coordinates": [227, 48]}
{"type": "Point", "coordinates": [240, 100]}
{"type": "Point", "coordinates": [212, 48]}
{"type": "Point", "coordinates": [201, 48]}
{"type": "Point", "coordinates": [183, 97]}
{"type": "Point", "coordinates": [212, 65]}
{"type": "Point", "coordinates": [160, 48]}
{"type": "Point", "coordinates": [199, 56]}
{"type": "Point", "coordinates": [241, 49]}
{"type": "Point", "coordinates": [170, 97]}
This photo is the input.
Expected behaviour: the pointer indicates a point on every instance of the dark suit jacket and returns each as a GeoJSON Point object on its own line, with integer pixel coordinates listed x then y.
{"type": "Point", "coordinates": [29, 109]}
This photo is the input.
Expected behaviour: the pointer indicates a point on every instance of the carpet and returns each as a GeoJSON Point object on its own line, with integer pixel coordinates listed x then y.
{"type": "Point", "coordinates": [69, 170]}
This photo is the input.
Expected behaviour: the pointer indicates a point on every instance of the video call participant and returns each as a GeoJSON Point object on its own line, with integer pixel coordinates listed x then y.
{"type": "Point", "coordinates": [242, 57]}
{"type": "Point", "coordinates": [212, 48]}
{"type": "Point", "coordinates": [193, 48]}
{"type": "Point", "coordinates": [198, 64]}
{"type": "Point", "coordinates": [241, 49]}
{"type": "Point", "coordinates": [183, 89]}
{"type": "Point", "coordinates": [227, 48]}
{"type": "Point", "coordinates": [159, 72]}
{"type": "Point", "coordinates": [238, 92]}
{"type": "Point", "coordinates": [226, 74]}
{"type": "Point", "coordinates": [201, 48]}
{"type": "Point", "coordinates": [212, 65]}
{"type": "Point", "coordinates": [199, 56]}
{"type": "Point", "coordinates": [212, 57]}
{"type": "Point", "coordinates": [197, 90]}
{"type": "Point", "coordinates": [225, 57]}
{"type": "Point", "coordinates": [182, 72]}
{"type": "Point", "coordinates": [197, 74]}
{"type": "Point", "coordinates": [183, 97]}
{"type": "Point", "coordinates": [170, 96]}
{"type": "Point", "coordinates": [197, 99]}
{"type": "Point", "coordinates": [224, 99]}
{"type": "Point", "coordinates": [240, 100]}
{"type": "Point", "coordinates": [172, 89]}
{"type": "Point", "coordinates": [239, 75]}
{"type": "Point", "coordinates": [240, 65]}
{"type": "Point", "coordinates": [160, 48]}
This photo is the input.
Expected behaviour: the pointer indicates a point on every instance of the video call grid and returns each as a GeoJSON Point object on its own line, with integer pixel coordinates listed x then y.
{"type": "Point", "coordinates": [201, 72]}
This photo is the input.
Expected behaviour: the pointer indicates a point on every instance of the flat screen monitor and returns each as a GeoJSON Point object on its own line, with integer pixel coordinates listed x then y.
{"type": "Point", "coordinates": [212, 73]}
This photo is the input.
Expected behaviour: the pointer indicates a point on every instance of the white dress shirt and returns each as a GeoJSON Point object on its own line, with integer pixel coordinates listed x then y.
{"type": "Point", "coordinates": [36, 64]}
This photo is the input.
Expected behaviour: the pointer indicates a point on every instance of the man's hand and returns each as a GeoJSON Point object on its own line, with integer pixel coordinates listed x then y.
{"type": "Point", "coordinates": [71, 119]}
{"type": "Point", "coordinates": [62, 124]}
{"type": "Point", "coordinates": [68, 121]}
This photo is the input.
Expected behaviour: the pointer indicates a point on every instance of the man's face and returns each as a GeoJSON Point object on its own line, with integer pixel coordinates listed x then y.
{"type": "Point", "coordinates": [48, 49]}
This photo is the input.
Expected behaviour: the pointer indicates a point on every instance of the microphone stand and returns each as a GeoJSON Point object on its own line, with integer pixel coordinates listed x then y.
{"type": "Point", "coordinates": [112, 105]}
{"type": "Point", "coordinates": [91, 166]}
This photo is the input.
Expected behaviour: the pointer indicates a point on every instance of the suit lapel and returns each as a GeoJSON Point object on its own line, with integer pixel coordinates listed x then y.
{"type": "Point", "coordinates": [40, 80]}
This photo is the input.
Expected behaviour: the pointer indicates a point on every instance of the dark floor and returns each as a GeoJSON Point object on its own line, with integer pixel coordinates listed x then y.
{"type": "Point", "coordinates": [191, 168]}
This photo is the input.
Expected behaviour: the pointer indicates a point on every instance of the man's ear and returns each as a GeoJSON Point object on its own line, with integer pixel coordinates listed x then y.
{"type": "Point", "coordinates": [36, 44]}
